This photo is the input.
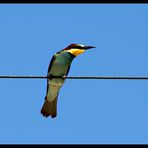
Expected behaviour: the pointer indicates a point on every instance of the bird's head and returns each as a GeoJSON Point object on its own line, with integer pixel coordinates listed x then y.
{"type": "Point", "coordinates": [77, 49]}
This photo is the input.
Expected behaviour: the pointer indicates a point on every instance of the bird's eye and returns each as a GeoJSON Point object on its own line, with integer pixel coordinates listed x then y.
{"type": "Point", "coordinates": [79, 47]}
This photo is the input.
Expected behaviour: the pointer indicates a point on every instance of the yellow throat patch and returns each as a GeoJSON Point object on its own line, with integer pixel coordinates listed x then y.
{"type": "Point", "coordinates": [76, 52]}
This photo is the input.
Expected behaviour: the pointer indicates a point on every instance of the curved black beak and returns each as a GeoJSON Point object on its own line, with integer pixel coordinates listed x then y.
{"type": "Point", "coordinates": [88, 47]}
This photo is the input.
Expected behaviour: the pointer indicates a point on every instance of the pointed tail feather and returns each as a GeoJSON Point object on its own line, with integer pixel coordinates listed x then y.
{"type": "Point", "coordinates": [49, 108]}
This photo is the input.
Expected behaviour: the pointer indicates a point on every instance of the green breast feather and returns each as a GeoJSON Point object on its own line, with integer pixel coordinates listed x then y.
{"type": "Point", "coordinates": [61, 64]}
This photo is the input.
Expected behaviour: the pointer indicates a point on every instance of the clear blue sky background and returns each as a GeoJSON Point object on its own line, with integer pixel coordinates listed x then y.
{"type": "Point", "coordinates": [89, 111]}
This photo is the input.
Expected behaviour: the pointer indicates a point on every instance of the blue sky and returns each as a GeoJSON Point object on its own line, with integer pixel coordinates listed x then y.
{"type": "Point", "coordinates": [89, 111]}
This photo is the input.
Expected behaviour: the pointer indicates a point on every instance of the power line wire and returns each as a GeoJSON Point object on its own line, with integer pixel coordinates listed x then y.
{"type": "Point", "coordinates": [79, 77]}
{"type": "Point", "coordinates": [110, 77]}
{"type": "Point", "coordinates": [23, 77]}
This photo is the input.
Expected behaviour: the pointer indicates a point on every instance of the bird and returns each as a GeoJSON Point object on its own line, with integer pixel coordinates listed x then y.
{"type": "Point", "coordinates": [59, 66]}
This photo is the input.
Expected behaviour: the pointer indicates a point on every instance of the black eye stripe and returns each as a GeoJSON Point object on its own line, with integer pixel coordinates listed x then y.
{"type": "Point", "coordinates": [77, 47]}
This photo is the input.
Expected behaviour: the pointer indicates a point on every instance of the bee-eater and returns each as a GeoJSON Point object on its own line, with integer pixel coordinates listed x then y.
{"type": "Point", "coordinates": [59, 67]}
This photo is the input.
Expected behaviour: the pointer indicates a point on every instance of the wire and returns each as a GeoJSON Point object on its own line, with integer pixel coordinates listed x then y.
{"type": "Point", "coordinates": [24, 77]}
{"type": "Point", "coordinates": [80, 77]}
{"type": "Point", "coordinates": [111, 77]}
